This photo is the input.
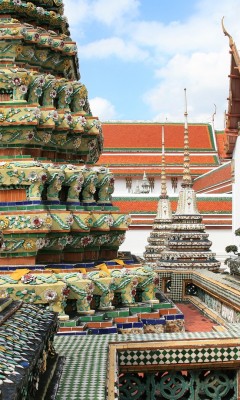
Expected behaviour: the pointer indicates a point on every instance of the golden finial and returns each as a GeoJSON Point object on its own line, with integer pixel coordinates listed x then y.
{"type": "Point", "coordinates": [163, 172]}
{"type": "Point", "coordinates": [187, 180]}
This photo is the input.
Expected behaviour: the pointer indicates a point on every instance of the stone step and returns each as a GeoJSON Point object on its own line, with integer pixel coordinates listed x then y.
{"type": "Point", "coordinates": [102, 331]}
{"type": "Point", "coordinates": [72, 328]}
{"type": "Point", "coordinates": [104, 324]}
{"type": "Point", "coordinates": [123, 312]}
{"type": "Point", "coordinates": [4, 303]}
{"type": "Point", "coordinates": [52, 389]}
{"type": "Point", "coordinates": [50, 378]}
{"type": "Point", "coordinates": [140, 309]}
{"type": "Point", "coordinates": [158, 306]}
{"type": "Point", "coordinates": [132, 318]}
{"type": "Point", "coordinates": [118, 321]}
{"type": "Point", "coordinates": [91, 318]}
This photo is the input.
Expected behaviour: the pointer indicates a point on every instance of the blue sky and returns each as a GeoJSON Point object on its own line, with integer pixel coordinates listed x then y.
{"type": "Point", "coordinates": [137, 56]}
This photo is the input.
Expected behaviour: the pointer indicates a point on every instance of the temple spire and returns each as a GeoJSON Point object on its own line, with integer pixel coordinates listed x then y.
{"type": "Point", "coordinates": [188, 246]}
{"type": "Point", "coordinates": [187, 180]}
{"type": "Point", "coordinates": [187, 203]}
{"type": "Point", "coordinates": [163, 172]}
{"type": "Point", "coordinates": [163, 222]}
{"type": "Point", "coordinates": [164, 208]}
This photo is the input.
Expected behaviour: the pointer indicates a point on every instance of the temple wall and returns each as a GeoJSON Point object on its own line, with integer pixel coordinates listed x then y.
{"type": "Point", "coordinates": [220, 239]}
{"type": "Point", "coordinates": [122, 190]}
{"type": "Point", "coordinates": [135, 241]}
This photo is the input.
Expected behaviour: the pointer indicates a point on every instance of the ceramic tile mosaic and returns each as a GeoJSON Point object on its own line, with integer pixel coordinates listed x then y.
{"type": "Point", "coordinates": [218, 284]}
{"type": "Point", "coordinates": [178, 356]}
{"type": "Point", "coordinates": [85, 371]}
{"type": "Point", "coordinates": [221, 287]}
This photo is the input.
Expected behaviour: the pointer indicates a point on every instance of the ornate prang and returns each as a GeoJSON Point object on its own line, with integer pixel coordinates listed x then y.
{"type": "Point", "coordinates": [188, 244]}
{"type": "Point", "coordinates": [187, 180]}
{"type": "Point", "coordinates": [45, 114]}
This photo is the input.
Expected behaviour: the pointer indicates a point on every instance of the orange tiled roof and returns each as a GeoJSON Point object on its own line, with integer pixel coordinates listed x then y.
{"type": "Point", "coordinates": [149, 159]}
{"type": "Point", "coordinates": [218, 178]}
{"type": "Point", "coordinates": [148, 205]}
{"type": "Point", "coordinates": [221, 139]}
{"type": "Point", "coordinates": [219, 190]}
{"type": "Point", "coordinates": [131, 135]}
{"type": "Point", "coordinates": [137, 171]}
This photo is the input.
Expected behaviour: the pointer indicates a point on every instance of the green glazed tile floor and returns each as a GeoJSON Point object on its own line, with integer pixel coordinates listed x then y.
{"type": "Point", "coordinates": [85, 370]}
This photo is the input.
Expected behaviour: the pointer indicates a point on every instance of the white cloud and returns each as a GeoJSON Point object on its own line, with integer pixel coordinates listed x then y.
{"type": "Point", "coordinates": [76, 11]}
{"type": "Point", "coordinates": [192, 54]}
{"type": "Point", "coordinates": [107, 12]}
{"type": "Point", "coordinates": [102, 108]}
{"type": "Point", "coordinates": [205, 77]}
{"type": "Point", "coordinates": [196, 57]}
{"type": "Point", "coordinates": [110, 12]}
{"type": "Point", "coordinates": [112, 47]}
{"type": "Point", "coordinates": [201, 31]}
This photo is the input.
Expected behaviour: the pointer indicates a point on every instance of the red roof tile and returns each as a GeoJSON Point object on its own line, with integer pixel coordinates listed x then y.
{"type": "Point", "coordinates": [130, 135]}
{"type": "Point", "coordinates": [220, 190]}
{"type": "Point", "coordinates": [148, 205]}
{"type": "Point", "coordinates": [137, 171]}
{"type": "Point", "coordinates": [149, 159]}
{"type": "Point", "coordinates": [221, 139]}
{"type": "Point", "coordinates": [218, 176]}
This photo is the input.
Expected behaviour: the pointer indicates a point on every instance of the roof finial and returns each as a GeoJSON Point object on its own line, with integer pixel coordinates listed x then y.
{"type": "Point", "coordinates": [213, 116]}
{"type": "Point", "coordinates": [187, 180]}
{"type": "Point", "coordinates": [231, 42]}
{"type": "Point", "coordinates": [163, 173]}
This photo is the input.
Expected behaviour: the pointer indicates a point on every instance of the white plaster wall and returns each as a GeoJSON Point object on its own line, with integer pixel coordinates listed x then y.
{"type": "Point", "coordinates": [220, 239]}
{"type": "Point", "coordinates": [121, 190]}
{"type": "Point", "coordinates": [120, 187]}
{"type": "Point", "coordinates": [136, 240]}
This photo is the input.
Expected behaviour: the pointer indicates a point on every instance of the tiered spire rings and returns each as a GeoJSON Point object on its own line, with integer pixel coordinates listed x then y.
{"type": "Point", "coordinates": [163, 172]}
{"type": "Point", "coordinates": [162, 223]}
{"type": "Point", "coordinates": [188, 244]}
{"type": "Point", "coordinates": [187, 180]}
